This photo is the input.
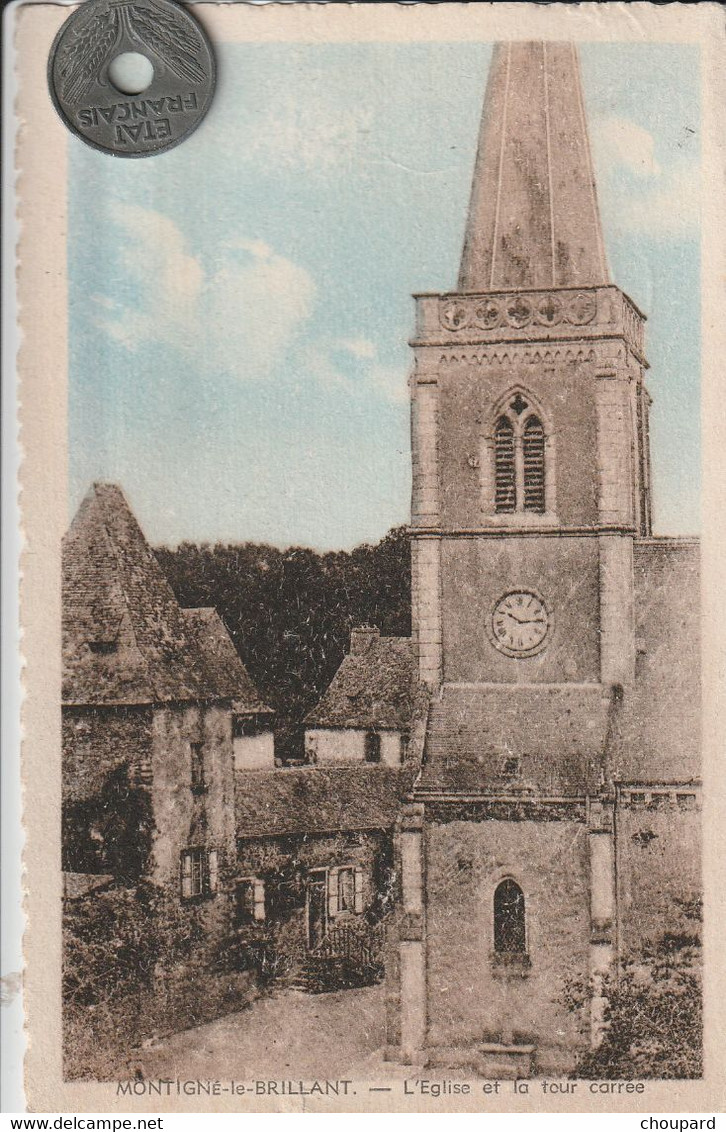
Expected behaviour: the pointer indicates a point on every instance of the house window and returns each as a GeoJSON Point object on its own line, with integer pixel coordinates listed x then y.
{"type": "Point", "coordinates": [345, 891]}
{"type": "Point", "coordinates": [250, 900]}
{"type": "Point", "coordinates": [520, 466]}
{"type": "Point", "coordinates": [372, 747]}
{"type": "Point", "coordinates": [197, 755]}
{"type": "Point", "coordinates": [199, 872]}
{"type": "Point", "coordinates": [509, 925]}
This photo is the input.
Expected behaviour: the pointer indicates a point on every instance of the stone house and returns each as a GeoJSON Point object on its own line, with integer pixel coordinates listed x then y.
{"type": "Point", "coordinates": [151, 698]}
{"type": "Point", "coordinates": [168, 771]}
{"type": "Point", "coordinates": [554, 824]}
{"type": "Point", "coordinates": [315, 863]}
{"type": "Point", "coordinates": [365, 714]}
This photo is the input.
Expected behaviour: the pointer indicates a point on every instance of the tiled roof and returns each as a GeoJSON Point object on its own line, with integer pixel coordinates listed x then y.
{"type": "Point", "coordinates": [125, 638]}
{"type": "Point", "coordinates": [223, 662]}
{"type": "Point", "coordinates": [314, 799]}
{"type": "Point", "coordinates": [557, 733]}
{"type": "Point", "coordinates": [372, 688]}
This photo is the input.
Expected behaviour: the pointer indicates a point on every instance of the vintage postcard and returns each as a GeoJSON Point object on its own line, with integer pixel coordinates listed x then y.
{"type": "Point", "coordinates": [372, 612]}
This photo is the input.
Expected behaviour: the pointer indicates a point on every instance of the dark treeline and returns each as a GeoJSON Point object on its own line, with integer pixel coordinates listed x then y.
{"type": "Point", "coordinates": [290, 612]}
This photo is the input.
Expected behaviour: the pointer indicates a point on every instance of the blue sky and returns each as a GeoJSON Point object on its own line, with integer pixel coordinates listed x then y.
{"type": "Point", "coordinates": [240, 306]}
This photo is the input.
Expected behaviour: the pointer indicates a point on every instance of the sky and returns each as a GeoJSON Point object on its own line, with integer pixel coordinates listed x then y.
{"type": "Point", "coordinates": [240, 306]}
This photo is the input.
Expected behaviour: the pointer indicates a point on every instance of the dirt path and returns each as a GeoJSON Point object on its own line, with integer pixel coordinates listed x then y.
{"type": "Point", "coordinates": [289, 1034]}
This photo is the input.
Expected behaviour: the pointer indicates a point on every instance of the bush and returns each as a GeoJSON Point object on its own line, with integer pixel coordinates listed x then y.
{"type": "Point", "coordinates": [654, 1012]}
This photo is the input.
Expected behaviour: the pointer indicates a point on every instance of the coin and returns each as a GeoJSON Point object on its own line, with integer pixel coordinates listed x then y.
{"type": "Point", "coordinates": [131, 77]}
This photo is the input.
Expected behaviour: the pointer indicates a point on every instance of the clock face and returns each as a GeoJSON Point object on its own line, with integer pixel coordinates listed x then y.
{"type": "Point", "coordinates": [520, 623]}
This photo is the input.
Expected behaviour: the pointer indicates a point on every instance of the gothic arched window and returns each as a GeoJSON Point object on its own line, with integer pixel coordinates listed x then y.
{"type": "Point", "coordinates": [533, 451]}
{"type": "Point", "coordinates": [520, 461]}
{"type": "Point", "coordinates": [509, 927]}
{"type": "Point", "coordinates": [504, 467]}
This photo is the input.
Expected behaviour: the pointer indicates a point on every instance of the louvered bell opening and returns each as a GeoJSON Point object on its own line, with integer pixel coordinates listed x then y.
{"type": "Point", "coordinates": [505, 494]}
{"type": "Point", "coordinates": [533, 447]}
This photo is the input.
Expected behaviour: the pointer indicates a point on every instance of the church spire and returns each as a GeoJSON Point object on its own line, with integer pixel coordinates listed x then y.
{"type": "Point", "coordinates": [533, 216]}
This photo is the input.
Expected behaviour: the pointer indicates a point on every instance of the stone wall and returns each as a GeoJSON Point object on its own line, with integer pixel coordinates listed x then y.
{"type": "Point", "coordinates": [468, 397]}
{"type": "Point", "coordinates": [99, 740]}
{"type": "Point", "coordinates": [477, 572]}
{"type": "Point", "coordinates": [471, 998]}
{"type": "Point", "coordinates": [658, 848]}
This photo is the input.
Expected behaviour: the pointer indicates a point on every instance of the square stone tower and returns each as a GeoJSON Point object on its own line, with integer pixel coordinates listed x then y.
{"type": "Point", "coordinates": [543, 609]}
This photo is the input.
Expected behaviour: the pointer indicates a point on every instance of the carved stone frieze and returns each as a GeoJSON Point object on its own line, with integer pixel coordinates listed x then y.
{"type": "Point", "coordinates": [517, 354]}
{"type": "Point", "coordinates": [552, 315]}
{"type": "Point", "coordinates": [519, 310]}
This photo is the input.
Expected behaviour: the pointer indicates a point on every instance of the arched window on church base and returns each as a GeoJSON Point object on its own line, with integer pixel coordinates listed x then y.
{"type": "Point", "coordinates": [510, 927]}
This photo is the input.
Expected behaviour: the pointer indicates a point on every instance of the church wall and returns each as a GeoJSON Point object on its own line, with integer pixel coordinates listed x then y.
{"type": "Point", "coordinates": [467, 401]}
{"type": "Point", "coordinates": [661, 726]}
{"type": "Point", "coordinates": [475, 573]}
{"type": "Point", "coordinates": [658, 848]}
{"type": "Point", "coordinates": [469, 1001]}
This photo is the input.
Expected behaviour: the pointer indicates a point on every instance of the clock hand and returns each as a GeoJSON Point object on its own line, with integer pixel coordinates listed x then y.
{"type": "Point", "coordinates": [527, 621]}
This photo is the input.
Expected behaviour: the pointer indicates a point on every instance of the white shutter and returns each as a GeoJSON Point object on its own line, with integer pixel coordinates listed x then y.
{"type": "Point", "coordinates": [186, 875]}
{"type": "Point", "coordinates": [333, 908]}
{"type": "Point", "coordinates": [358, 897]}
{"type": "Point", "coordinates": [213, 867]}
{"type": "Point", "coordinates": [258, 889]}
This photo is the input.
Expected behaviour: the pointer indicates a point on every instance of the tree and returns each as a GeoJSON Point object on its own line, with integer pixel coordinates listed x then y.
{"type": "Point", "coordinates": [290, 612]}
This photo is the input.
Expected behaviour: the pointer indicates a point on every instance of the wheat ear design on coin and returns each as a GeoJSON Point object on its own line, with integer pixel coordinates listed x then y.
{"type": "Point", "coordinates": [164, 37]}
{"type": "Point", "coordinates": [89, 52]}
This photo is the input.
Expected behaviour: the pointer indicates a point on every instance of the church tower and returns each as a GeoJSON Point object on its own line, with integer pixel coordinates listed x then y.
{"type": "Point", "coordinates": [532, 558]}
{"type": "Point", "coordinates": [530, 433]}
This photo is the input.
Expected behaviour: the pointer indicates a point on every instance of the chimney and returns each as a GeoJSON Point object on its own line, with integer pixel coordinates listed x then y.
{"type": "Point", "coordinates": [362, 638]}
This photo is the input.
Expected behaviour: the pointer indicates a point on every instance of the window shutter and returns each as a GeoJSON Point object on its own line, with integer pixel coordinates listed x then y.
{"type": "Point", "coordinates": [333, 908]}
{"type": "Point", "coordinates": [258, 889]}
{"type": "Point", "coordinates": [358, 890]}
{"type": "Point", "coordinates": [213, 870]}
{"type": "Point", "coordinates": [186, 875]}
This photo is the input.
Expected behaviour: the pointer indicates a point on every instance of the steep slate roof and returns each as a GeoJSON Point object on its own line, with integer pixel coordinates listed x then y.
{"type": "Point", "coordinates": [557, 732]}
{"type": "Point", "coordinates": [316, 799]}
{"type": "Point", "coordinates": [125, 638]}
{"type": "Point", "coordinates": [223, 661]}
{"type": "Point", "coordinates": [373, 686]}
{"type": "Point", "coordinates": [533, 216]}
{"type": "Point", "coordinates": [658, 737]}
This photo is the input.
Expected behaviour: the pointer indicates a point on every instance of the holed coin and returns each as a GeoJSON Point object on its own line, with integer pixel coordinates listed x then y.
{"type": "Point", "coordinates": [131, 77]}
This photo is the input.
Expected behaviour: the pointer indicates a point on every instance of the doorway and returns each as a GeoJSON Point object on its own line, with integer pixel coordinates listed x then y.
{"type": "Point", "coordinates": [317, 907]}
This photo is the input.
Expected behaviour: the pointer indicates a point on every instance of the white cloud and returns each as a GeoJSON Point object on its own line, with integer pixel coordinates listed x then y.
{"type": "Point", "coordinates": [239, 316]}
{"type": "Point", "coordinates": [359, 347]}
{"type": "Point", "coordinates": [641, 195]}
{"type": "Point", "coordinates": [622, 142]}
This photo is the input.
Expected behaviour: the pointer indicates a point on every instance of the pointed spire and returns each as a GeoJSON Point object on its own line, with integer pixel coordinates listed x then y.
{"type": "Point", "coordinates": [533, 216]}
